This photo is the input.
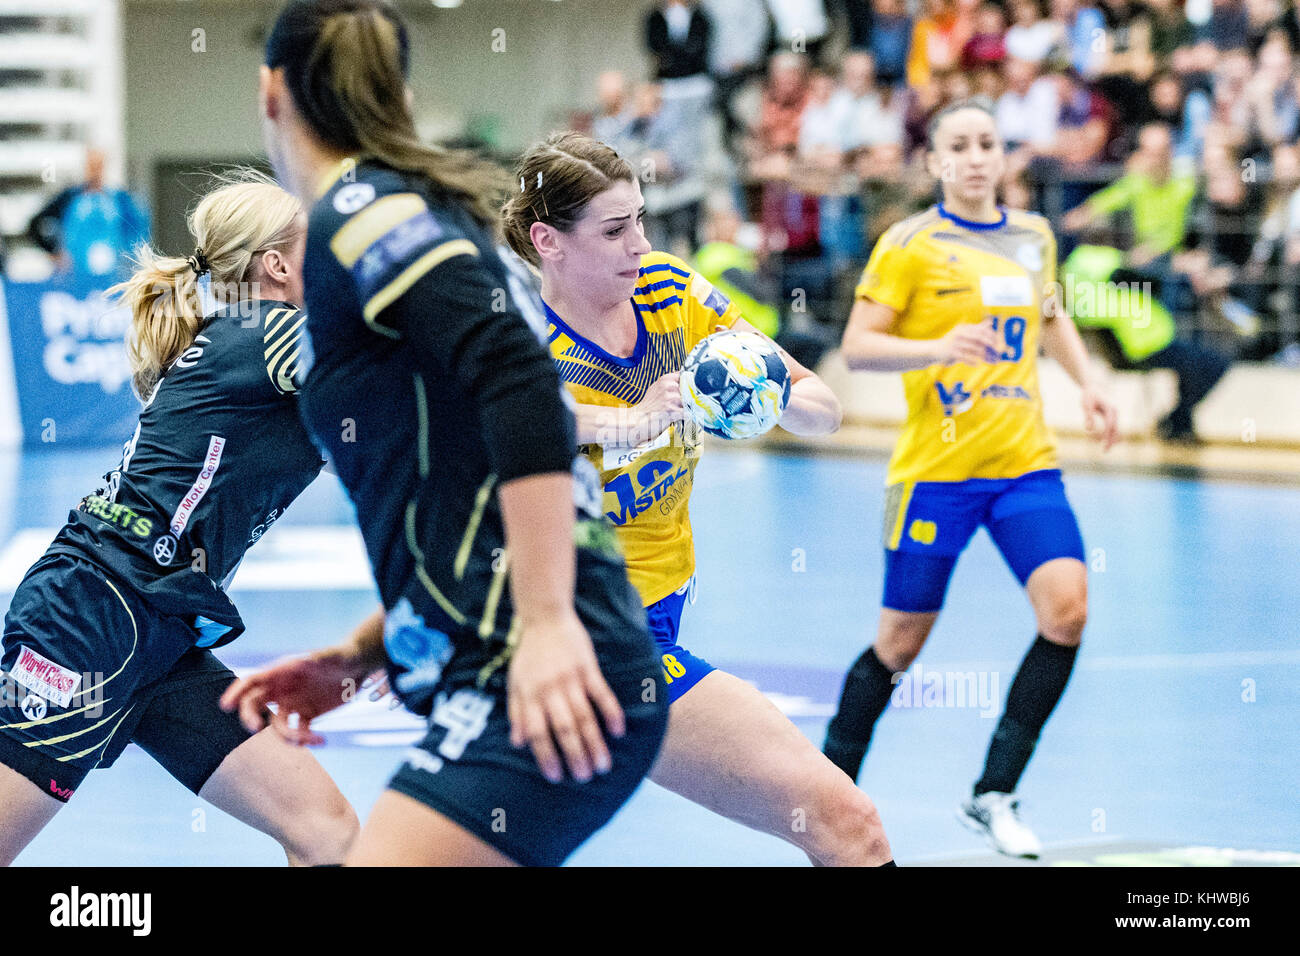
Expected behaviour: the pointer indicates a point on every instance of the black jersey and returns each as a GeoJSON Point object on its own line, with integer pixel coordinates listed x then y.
{"type": "Point", "coordinates": [429, 388]}
{"type": "Point", "coordinates": [218, 454]}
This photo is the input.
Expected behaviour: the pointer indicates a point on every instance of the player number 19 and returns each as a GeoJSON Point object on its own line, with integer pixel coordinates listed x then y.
{"type": "Point", "coordinates": [1013, 333]}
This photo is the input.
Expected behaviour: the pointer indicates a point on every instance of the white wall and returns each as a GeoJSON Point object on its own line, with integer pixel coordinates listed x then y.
{"type": "Point", "coordinates": [186, 104]}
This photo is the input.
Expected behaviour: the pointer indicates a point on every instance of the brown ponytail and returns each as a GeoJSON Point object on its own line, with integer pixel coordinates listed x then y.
{"type": "Point", "coordinates": [345, 65]}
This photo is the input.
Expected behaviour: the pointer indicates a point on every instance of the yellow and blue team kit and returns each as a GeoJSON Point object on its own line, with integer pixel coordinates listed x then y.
{"type": "Point", "coordinates": [647, 487]}
{"type": "Point", "coordinates": [975, 448]}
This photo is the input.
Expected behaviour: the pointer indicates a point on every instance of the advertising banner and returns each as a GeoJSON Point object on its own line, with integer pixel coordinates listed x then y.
{"type": "Point", "coordinates": [69, 363]}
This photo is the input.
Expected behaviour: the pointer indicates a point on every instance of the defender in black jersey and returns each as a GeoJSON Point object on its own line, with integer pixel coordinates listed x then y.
{"type": "Point", "coordinates": [106, 639]}
{"type": "Point", "coordinates": [438, 404]}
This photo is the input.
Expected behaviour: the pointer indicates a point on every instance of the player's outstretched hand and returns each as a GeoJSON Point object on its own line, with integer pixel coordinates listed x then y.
{"type": "Point", "coordinates": [554, 690]}
{"type": "Point", "coordinates": [970, 342]}
{"type": "Point", "coordinates": [1100, 417]}
{"type": "Point", "coordinates": [303, 686]}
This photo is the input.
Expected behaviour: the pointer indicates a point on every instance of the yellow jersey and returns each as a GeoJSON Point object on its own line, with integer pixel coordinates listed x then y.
{"type": "Point", "coordinates": [937, 270]}
{"type": "Point", "coordinates": [647, 487]}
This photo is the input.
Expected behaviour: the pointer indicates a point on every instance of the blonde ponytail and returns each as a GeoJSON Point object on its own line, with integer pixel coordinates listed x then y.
{"type": "Point", "coordinates": [246, 215]}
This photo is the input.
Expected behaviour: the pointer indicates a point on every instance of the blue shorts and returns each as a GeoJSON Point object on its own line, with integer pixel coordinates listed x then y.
{"type": "Point", "coordinates": [929, 523]}
{"type": "Point", "coordinates": [682, 669]}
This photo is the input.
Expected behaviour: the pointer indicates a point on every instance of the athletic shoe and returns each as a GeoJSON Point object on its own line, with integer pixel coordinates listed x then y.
{"type": "Point", "coordinates": [996, 816]}
{"type": "Point", "coordinates": [1167, 431]}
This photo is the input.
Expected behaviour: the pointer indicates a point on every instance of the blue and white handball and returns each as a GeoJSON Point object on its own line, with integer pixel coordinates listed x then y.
{"type": "Point", "coordinates": [735, 385]}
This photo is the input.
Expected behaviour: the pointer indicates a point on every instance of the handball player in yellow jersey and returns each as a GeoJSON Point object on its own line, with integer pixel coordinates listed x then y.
{"type": "Point", "coordinates": [622, 320]}
{"type": "Point", "coordinates": [959, 299]}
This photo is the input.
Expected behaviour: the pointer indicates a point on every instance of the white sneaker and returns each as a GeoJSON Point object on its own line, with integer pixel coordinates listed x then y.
{"type": "Point", "coordinates": [996, 817]}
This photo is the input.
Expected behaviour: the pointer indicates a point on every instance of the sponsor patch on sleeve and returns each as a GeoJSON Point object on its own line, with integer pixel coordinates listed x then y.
{"type": "Point", "coordinates": [394, 251]}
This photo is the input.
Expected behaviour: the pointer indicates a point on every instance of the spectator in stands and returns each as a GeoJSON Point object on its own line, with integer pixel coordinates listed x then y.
{"type": "Point", "coordinates": [987, 45]}
{"type": "Point", "coordinates": [91, 228]}
{"type": "Point", "coordinates": [891, 41]}
{"type": "Point", "coordinates": [955, 84]}
{"type": "Point", "coordinates": [1270, 93]}
{"type": "Point", "coordinates": [1220, 240]}
{"type": "Point", "coordinates": [1081, 25]}
{"type": "Point", "coordinates": [1028, 112]}
{"type": "Point", "coordinates": [801, 25]}
{"type": "Point", "coordinates": [874, 115]}
{"type": "Point", "coordinates": [937, 41]}
{"type": "Point", "coordinates": [1171, 31]}
{"type": "Point", "coordinates": [729, 261]}
{"type": "Point", "coordinates": [1228, 118]}
{"type": "Point", "coordinates": [823, 122]}
{"type": "Point", "coordinates": [1086, 123]}
{"type": "Point", "coordinates": [673, 119]}
{"type": "Point", "coordinates": [1031, 36]}
{"type": "Point", "coordinates": [1275, 258]}
{"type": "Point", "coordinates": [1262, 17]}
{"type": "Point", "coordinates": [1155, 194]}
{"type": "Point", "coordinates": [1129, 61]}
{"type": "Point", "coordinates": [677, 35]}
{"type": "Point", "coordinates": [776, 136]}
{"type": "Point", "coordinates": [851, 122]}
{"type": "Point", "coordinates": [1228, 27]}
{"type": "Point", "coordinates": [989, 83]}
{"type": "Point", "coordinates": [738, 40]}
{"type": "Point", "coordinates": [1290, 22]}
{"type": "Point", "coordinates": [664, 143]}
{"type": "Point", "coordinates": [860, 16]}
{"type": "Point", "coordinates": [1169, 106]}
{"type": "Point", "coordinates": [614, 114]}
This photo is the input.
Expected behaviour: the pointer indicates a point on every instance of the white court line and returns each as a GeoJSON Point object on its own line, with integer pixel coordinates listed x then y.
{"type": "Point", "coordinates": [288, 558]}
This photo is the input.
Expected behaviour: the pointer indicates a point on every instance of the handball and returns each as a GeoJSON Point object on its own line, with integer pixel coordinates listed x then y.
{"type": "Point", "coordinates": [735, 385]}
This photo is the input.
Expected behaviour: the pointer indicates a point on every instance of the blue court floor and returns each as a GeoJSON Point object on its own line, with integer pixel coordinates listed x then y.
{"type": "Point", "coordinates": [1178, 730]}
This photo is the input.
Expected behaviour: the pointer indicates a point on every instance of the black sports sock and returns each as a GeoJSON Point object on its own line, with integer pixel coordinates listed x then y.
{"type": "Point", "coordinates": [1037, 687]}
{"type": "Point", "coordinates": [867, 688]}
{"type": "Point", "coordinates": [889, 863]}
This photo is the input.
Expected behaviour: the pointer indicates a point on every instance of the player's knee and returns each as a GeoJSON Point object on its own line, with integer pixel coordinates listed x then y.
{"type": "Point", "coordinates": [1063, 620]}
{"type": "Point", "coordinates": [899, 645]}
{"type": "Point", "coordinates": [856, 830]}
{"type": "Point", "coordinates": [323, 833]}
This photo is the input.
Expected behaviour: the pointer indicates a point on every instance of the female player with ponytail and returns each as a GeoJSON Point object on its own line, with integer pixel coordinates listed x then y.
{"type": "Point", "coordinates": [958, 299]}
{"type": "Point", "coordinates": [107, 640]}
{"type": "Point", "coordinates": [622, 319]}
{"type": "Point", "coordinates": [441, 411]}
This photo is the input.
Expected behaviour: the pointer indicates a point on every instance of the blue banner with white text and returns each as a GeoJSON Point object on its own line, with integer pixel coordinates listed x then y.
{"type": "Point", "coordinates": [70, 364]}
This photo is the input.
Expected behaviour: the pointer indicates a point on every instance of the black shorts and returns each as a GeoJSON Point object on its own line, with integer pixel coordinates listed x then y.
{"type": "Point", "coordinates": [88, 667]}
{"type": "Point", "coordinates": [467, 770]}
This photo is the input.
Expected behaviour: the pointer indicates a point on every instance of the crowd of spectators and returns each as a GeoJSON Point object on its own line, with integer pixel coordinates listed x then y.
{"type": "Point", "coordinates": [1166, 129]}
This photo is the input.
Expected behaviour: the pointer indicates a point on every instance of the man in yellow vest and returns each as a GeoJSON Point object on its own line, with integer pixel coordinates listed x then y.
{"type": "Point", "coordinates": [1143, 330]}
{"type": "Point", "coordinates": [728, 262]}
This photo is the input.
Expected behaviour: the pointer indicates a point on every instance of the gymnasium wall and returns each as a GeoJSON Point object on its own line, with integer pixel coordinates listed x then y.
{"type": "Point", "coordinates": [195, 95]}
